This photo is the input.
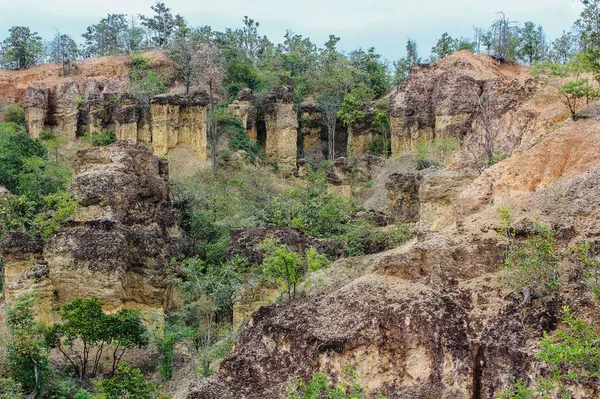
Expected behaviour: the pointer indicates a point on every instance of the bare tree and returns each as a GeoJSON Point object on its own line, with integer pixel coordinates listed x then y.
{"type": "Point", "coordinates": [330, 106]}
{"type": "Point", "coordinates": [207, 68]}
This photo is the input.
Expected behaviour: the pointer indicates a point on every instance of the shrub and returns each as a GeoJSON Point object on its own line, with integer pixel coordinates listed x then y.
{"type": "Point", "coordinates": [14, 113]}
{"type": "Point", "coordinates": [312, 209]}
{"type": "Point", "coordinates": [10, 389]}
{"type": "Point", "coordinates": [434, 153]}
{"type": "Point", "coordinates": [533, 264]}
{"type": "Point", "coordinates": [588, 256]}
{"type": "Point", "coordinates": [127, 383]}
{"type": "Point", "coordinates": [320, 387]}
{"type": "Point", "coordinates": [288, 268]}
{"type": "Point", "coordinates": [102, 139]}
{"type": "Point", "coordinates": [362, 239]}
{"type": "Point", "coordinates": [86, 330]}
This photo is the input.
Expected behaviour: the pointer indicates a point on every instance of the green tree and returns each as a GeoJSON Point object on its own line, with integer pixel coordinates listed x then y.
{"type": "Point", "coordinates": [163, 24]}
{"type": "Point", "coordinates": [568, 81]}
{"type": "Point", "coordinates": [589, 33]}
{"type": "Point", "coordinates": [28, 355]}
{"type": "Point", "coordinates": [144, 84]}
{"type": "Point", "coordinates": [22, 49]}
{"type": "Point", "coordinates": [403, 66]}
{"type": "Point", "coordinates": [107, 37]}
{"type": "Point", "coordinates": [564, 48]}
{"type": "Point", "coordinates": [350, 111]}
{"type": "Point", "coordinates": [14, 113]}
{"type": "Point", "coordinates": [371, 70]}
{"type": "Point", "coordinates": [532, 43]}
{"type": "Point", "coordinates": [63, 51]}
{"type": "Point", "coordinates": [85, 331]}
{"type": "Point", "coordinates": [445, 46]}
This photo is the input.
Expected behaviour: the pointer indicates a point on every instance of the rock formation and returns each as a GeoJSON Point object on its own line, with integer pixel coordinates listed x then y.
{"type": "Point", "coordinates": [433, 318]}
{"type": "Point", "coordinates": [117, 246]}
{"type": "Point", "coordinates": [461, 97]}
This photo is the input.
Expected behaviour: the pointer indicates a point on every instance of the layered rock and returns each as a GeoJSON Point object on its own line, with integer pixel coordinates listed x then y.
{"type": "Point", "coordinates": [281, 122]}
{"type": "Point", "coordinates": [460, 97]}
{"type": "Point", "coordinates": [118, 245]}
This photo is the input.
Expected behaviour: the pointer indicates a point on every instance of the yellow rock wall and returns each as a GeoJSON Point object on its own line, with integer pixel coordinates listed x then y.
{"type": "Point", "coordinates": [282, 137]}
{"type": "Point", "coordinates": [173, 125]}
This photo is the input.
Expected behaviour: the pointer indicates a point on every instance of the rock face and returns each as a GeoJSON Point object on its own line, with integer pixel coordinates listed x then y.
{"type": "Point", "coordinates": [281, 123]}
{"type": "Point", "coordinates": [433, 319]}
{"type": "Point", "coordinates": [459, 97]}
{"type": "Point", "coordinates": [119, 243]}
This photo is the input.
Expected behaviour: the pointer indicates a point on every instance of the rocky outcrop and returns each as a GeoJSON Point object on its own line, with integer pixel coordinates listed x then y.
{"type": "Point", "coordinates": [281, 123]}
{"type": "Point", "coordinates": [244, 110]}
{"type": "Point", "coordinates": [118, 245]}
{"type": "Point", "coordinates": [461, 97]}
{"type": "Point", "coordinates": [403, 202]}
{"type": "Point", "coordinates": [313, 133]}
{"type": "Point", "coordinates": [178, 120]}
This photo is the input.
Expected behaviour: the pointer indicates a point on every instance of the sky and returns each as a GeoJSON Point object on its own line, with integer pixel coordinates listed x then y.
{"type": "Point", "coordinates": [385, 24]}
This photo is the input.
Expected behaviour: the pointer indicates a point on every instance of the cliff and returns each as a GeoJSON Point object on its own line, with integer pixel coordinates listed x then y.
{"type": "Point", "coordinates": [118, 245]}
{"type": "Point", "coordinates": [433, 318]}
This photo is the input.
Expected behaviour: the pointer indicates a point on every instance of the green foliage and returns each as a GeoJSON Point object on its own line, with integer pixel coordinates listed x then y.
{"type": "Point", "coordinates": [571, 356]}
{"type": "Point", "coordinates": [588, 256]}
{"type": "Point", "coordinates": [10, 389]}
{"type": "Point", "coordinates": [403, 66]}
{"type": "Point", "coordinates": [215, 201]}
{"type": "Point", "coordinates": [207, 291]}
{"type": "Point", "coordinates": [568, 81]}
{"type": "Point", "coordinates": [14, 113]}
{"type": "Point", "coordinates": [27, 356]}
{"type": "Point", "coordinates": [288, 268]}
{"type": "Point", "coordinates": [106, 37]}
{"type": "Point", "coordinates": [361, 238]}
{"type": "Point", "coordinates": [319, 387]}
{"type": "Point", "coordinates": [434, 153]}
{"type": "Point", "coordinates": [532, 263]}
{"type": "Point", "coordinates": [21, 49]}
{"type": "Point", "coordinates": [85, 329]}
{"type": "Point", "coordinates": [381, 126]}
{"type": "Point", "coordinates": [100, 139]}
{"type": "Point", "coordinates": [40, 202]}
{"type": "Point", "coordinates": [144, 82]}
{"type": "Point", "coordinates": [127, 383]}
{"type": "Point", "coordinates": [350, 112]}
{"type": "Point", "coordinates": [312, 209]}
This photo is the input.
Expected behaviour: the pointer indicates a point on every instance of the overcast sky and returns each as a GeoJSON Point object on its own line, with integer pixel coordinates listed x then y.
{"type": "Point", "coordinates": [384, 24]}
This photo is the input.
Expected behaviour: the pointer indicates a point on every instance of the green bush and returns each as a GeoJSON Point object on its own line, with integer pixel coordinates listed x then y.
{"type": "Point", "coordinates": [319, 387]}
{"type": "Point", "coordinates": [434, 153]}
{"type": "Point", "coordinates": [14, 113]}
{"type": "Point", "coordinates": [10, 389]}
{"type": "Point", "coordinates": [311, 209]}
{"type": "Point", "coordinates": [588, 256]}
{"type": "Point", "coordinates": [288, 268]}
{"type": "Point", "coordinates": [361, 238]}
{"type": "Point", "coordinates": [127, 383]}
{"type": "Point", "coordinates": [102, 138]}
{"type": "Point", "coordinates": [533, 263]}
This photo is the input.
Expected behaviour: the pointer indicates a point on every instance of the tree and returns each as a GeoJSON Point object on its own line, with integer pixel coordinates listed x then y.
{"type": "Point", "coordinates": [108, 37]}
{"type": "Point", "coordinates": [85, 331]}
{"type": "Point", "coordinates": [564, 48]}
{"type": "Point", "coordinates": [22, 49]}
{"type": "Point", "coordinates": [63, 51]}
{"type": "Point", "coordinates": [370, 70]}
{"type": "Point", "coordinates": [568, 82]}
{"type": "Point", "coordinates": [28, 355]}
{"type": "Point", "coordinates": [330, 105]}
{"type": "Point", "coordinates": [144, 84]}
{"type": "Point", "coordinates": [443, 48]}
{"type": "Point", "coordinates": [589, 28]}
{"type": "Point", "coordinates": [288, 268]}
{"type": "Point", "coordinates": [403, 66]}
{"type": "Point", "coordinates": [162, 24]}
{"type": "Point", "coordinates": [532, 43]}
{"type": "Point", "coordinates": [502, 38]}
{"type": "Point", "coordinates": [350, 111]}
